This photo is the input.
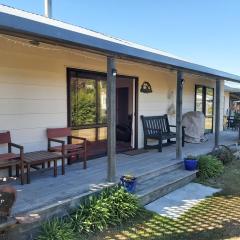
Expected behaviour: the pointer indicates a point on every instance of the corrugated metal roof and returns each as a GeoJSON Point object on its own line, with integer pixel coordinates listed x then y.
{"type": "Point", "coordinates": [231, 87]}
{"type": "Point", "coordinates": [18, 21]}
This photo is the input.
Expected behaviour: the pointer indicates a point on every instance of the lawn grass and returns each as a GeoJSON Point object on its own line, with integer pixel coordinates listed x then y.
{"type": "Point", "coordinates": [215, 218]}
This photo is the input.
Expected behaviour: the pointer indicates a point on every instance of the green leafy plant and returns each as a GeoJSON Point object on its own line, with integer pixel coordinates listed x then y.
{"type": "Point", "coordinates": [122, 206]}
{"type": "Point", "coordinates": [209, 167]}
{"type": "Point", "coordinates": [224, 154]}
{"type": "Point", "coordinates": [57, 229]}
{"type": "Point", "coordinates": [93, 215]}
{"type": "Point", "coordinates": [110, 207]}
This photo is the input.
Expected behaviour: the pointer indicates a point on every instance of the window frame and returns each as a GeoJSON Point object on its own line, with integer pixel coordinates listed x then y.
{"type": "Point", "coordinates": [97, 76]}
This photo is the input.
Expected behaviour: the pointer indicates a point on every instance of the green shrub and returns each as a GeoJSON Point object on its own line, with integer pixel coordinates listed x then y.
{"type": "Point", "coordinates": [224, 154]}
{"type": "Point", "coordinates": [122, 206]}
{"type": "Point", "coordinates": [110, 207]}
{"type": "Point", "coordinates": [209, 167]}
{"type": "Point", "coordinates": [93, 215]}
{"type": "Point", "coordinates": [57, 229]}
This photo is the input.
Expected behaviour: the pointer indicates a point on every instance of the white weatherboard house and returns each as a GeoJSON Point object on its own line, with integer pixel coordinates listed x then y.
{"type": "Point", "coordinates": [46, 65]}
{"type": "Point", "coordinates": [49, 68]}
{"type": "Point", "coordinates": [55, 75]}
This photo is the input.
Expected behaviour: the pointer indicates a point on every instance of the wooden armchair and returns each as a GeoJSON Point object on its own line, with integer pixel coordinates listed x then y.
{"type": "Point", "coordinates": [8, 160]}
{"type": "Point", "coordinates": [68, 150]}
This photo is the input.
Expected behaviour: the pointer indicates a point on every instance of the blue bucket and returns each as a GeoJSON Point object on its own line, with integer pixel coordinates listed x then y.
{"type": "Point", "coordinates": [129, 185]}
{"type": "Point", "coordinates": [191, 164]}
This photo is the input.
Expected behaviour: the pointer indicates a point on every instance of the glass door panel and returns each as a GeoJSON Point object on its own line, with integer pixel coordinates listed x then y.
{"type": "Point", "coordinates": [208, 125]}
{"type": "Point", "coordinates": [209, 105]}
{"type": "Point", "coordinates": [199, 98]}
{"type": "Point", "coordinates": [102, 98]}
{"type": "Point", "coordinates": [204, 102]}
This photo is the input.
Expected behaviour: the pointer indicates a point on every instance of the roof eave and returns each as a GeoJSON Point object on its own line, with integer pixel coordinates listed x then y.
{"type": "Point", "coordinates": [18, 25]}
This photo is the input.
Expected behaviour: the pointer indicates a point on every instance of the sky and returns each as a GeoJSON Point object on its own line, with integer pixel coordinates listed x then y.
{"type": "Point", "coordinates": [206, 32]}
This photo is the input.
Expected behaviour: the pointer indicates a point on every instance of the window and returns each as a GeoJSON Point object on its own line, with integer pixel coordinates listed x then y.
{"type": "Point", "coordinates": [83, 102]}
{"type": "Point", "coordinates": [204, 102]}
{"type": "Point", "coordinates": [87, 113]}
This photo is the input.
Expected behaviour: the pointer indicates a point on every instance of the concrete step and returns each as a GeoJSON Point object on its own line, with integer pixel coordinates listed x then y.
{"type": "Point", "coordinates": [173, 165]}
{"type": "Point", "coordinates": [156, 187]}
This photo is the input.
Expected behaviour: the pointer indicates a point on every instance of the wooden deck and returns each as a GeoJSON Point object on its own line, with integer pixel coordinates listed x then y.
{"type": "Point", "coordinates": [45, 189]}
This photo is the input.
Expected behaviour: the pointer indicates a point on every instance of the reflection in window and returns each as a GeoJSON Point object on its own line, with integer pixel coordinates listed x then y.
{"type": "Point", "coordinates": [199, 97]}
{"type": "Point", "coordinates": [102, 133]}
{"type": "Point", "coordinates": [83, 101]}
{"type": "Point", "coordinates": [89, 134]}
{"type": "Point", "coordinates": [102, 93]}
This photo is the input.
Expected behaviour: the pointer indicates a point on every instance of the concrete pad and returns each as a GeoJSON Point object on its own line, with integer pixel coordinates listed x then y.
{"type": "Point", "coordinates": [176, 203]}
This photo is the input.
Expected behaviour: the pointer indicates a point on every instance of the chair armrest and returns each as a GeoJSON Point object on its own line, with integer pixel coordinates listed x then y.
{"type": "Point", "coordinates": [79, 138]}
{"type": "Point", "coordinates": [16, 146]}
{"type": "Point", "coordinates": [21, 149]}
{"type": "Point", "coordinates": [57, 141]}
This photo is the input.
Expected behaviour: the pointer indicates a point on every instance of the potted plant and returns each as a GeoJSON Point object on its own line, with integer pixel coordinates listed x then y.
{"type": "Point", "coordinates": [191, 163]}
{"type": "Point", "coordinates": [128, 182]}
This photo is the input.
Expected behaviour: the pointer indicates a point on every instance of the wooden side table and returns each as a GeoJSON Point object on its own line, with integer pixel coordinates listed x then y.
{"type": "Point", "coordinates": [41, 157]}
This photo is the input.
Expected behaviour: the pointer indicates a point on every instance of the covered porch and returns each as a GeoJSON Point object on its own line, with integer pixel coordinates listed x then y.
{"type": "Point", "coordinates": [51, 193]}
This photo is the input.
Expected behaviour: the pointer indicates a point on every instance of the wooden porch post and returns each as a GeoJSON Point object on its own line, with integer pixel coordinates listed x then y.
{"type": "Point", "coordinates": [179, 133]}
{"type": "Point", "coordinates": [217, 112]}
{"type": "Point", "coordinates": [111, 119]}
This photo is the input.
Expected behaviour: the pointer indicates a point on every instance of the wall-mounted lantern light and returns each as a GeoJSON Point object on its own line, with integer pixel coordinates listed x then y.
{"type": "Point", "coordinates": [182, 82]}
{"type": "Point", "coordinates": [114, 72]}
{"type": "Point", "coordinates": [146, 88]}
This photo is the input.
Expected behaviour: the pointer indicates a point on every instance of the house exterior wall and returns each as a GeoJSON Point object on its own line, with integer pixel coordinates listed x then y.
{"type": "Point", "coordinates": [33, 90]}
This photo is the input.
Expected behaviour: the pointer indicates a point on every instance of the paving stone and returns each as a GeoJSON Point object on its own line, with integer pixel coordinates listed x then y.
{"type": "Point", "coordinates": [176, 203]}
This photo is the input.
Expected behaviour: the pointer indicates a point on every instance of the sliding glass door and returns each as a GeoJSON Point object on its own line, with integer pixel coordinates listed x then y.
{"type": "Point", "coordinates": [204, 102]}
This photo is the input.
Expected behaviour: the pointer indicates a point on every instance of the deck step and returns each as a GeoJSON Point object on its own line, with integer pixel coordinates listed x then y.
{"type": "Point", "coordinates": [173, 165]}
{"type": "Point", "coordinates": [158, 186]}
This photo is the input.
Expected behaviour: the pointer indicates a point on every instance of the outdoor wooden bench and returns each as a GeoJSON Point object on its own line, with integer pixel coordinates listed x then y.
{"type": "Point", "coordinates": [42, 157]}
{"type": "Point", "coordinates": [158, 128]}
{"type": "Point", "coordinates": [10, 159]}
{"type": "Point", "coordinates": [70, 150]}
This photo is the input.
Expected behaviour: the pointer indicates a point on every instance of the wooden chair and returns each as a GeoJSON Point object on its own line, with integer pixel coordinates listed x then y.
{"type": "Point", "coordinates": [158, 128]}
{"type": "Point", "coordinates": [68, 150]}
{"type": "Point", "coordinates": [10, 159]}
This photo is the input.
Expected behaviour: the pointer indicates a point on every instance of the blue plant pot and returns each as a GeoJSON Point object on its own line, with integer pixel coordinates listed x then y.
{"type": "Point", "coordinates": [191, 164]}
{"type": "Point", "coordinates": [129, 185]}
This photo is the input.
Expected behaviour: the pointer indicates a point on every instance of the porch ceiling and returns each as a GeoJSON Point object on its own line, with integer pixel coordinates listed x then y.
{"type": "Point", "coordinates": [19, 23]}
